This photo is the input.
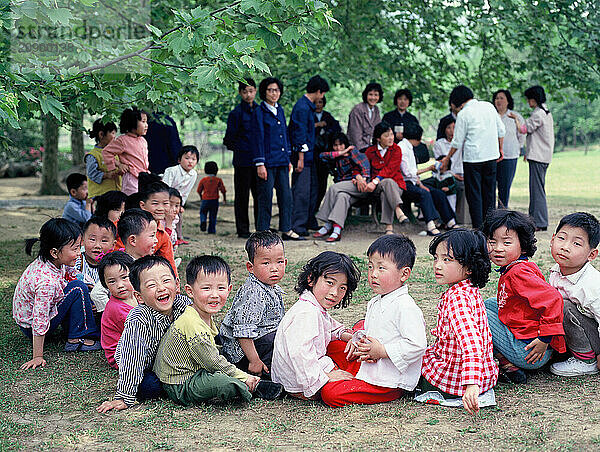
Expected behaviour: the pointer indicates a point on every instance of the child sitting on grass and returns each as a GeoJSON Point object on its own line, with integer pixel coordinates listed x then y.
{"type": "Point", "coordinates": [111, 205]}
{"type": "Point", "coordinates": [300, 356]}
{"type": "Point", "coordinates": [77, 209]}
{"type": "Point", "coordinates": [386, 361]}
{"type": "Point", "coordinates": [573, 247]}
{"type": "Point", "coordinates": [99, 238]}
{"type": "Point", "coordinates": [172, 217]}
{"type": "Point", "coordinates": [526, 319]}
{"type": "Point", "coordinates": [44, 298]}
{"type": "Point", "coordinates": [460, 363]}
{"type": "Point", "coordinates": [248, 329]}
{"type": "Point", "coordinates": [155, 288]}
{"type": "Point", "coordinates": [188, 362]}
{"type": "Point", "coordinates": [208, 189]}
{"type": "Point", "coordinates": [113, 271]}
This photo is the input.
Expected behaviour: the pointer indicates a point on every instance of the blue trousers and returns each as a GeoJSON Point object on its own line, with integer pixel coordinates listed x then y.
{"type": "Point", "coordinates": [278, 178]}
{"type": "Point", "coordinates": [506, 343]}
{"type": "Point", "coordinates": [305, 187]}
{"type": "Point", "coordinates": [209, 208]}
{"type": "Point", "coordinates": [74, 313]}
{"type": "Point", "coordinates": [505, 173]}
{"type": "Point", "coordinates": [150, 387]}
{"type": "Point", "coordinates": [432, 202]}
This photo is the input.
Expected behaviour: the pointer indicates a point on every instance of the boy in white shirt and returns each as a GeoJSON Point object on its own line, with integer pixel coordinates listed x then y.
{"type": "Point", "coordinates": [573, 247]}
{"type": "Point", "coordinates": [183, 178]}
{"type": "Point", "coordinates": [388, 355]}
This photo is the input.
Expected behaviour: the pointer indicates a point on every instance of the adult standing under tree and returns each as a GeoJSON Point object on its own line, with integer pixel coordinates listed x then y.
{"type": "Point", "coordinates": [238, 138]}
{"type": "Point", "coordinates": [513, 141]}
{"type": "Point", "coordinates": [480, 132]}
{"type": "Point", "coordinates": [302, 139]}
{"type": "Point", "coordinates": [400, 117]}
{"type": "Point", "coordinates": [364, 116]}
{"type": "Point", "coordinates": [326, 126]}
{"type": "Point", "coordinates": [539, 128]}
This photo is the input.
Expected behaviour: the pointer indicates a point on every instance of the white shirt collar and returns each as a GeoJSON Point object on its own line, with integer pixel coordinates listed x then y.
{"type": "Point", "coordinates": [382, 151]}
{"type": "Point", "coordinates": [573, 278]}
{"type": "Point", "coordinates": [272, 108]}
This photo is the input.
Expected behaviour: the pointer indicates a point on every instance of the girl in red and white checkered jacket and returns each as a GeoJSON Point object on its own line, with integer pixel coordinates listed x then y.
{"type": "Point", "coordinates": [460, 363]}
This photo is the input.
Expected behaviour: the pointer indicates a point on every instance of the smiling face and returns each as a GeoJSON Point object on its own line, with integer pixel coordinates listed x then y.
{"type": "Point", "coordinates": [174, 206]}
{"type": "Point", "coordinates": [68, 254]}
{"type": "Point", "coordinates": [144, 243]}
{"type": "Point", "coordinates": [330, 289]}
{"type": "Point", "coordinates": [501, 102]}
{"type": "Point", "coordinates": [571, 249]}
{"type": "Point", "coordinates": [504, 246]}
{"type": "Point", "coordinates": [157, 204]}
{"type": "Point", "coordinates": [269, 264]}
{"type": "Point", "coordinates": [386, 139]}
{"type": "Point", "coordinates": [97, 240]}
{"type": "Point", "coordinates": [272, 93]}
{"type": "Point", "coordinates": [209, 293]}
{"type": "Point", "coordinates": [402, 103]}
{"type": "Point", "coordinates": [447, 270]}
{"type": "Point", "coordinates": [117, 281]}
{"type": "Point", "coordinates": [384, 275]}
{"type": "Point", "coordinates": [188, 161]}
{"type": "Point", "coordinates": [158, 288]}
{"type": "Point", "coordinates": [372, 98]}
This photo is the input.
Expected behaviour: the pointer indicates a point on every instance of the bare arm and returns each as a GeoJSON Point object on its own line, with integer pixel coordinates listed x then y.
{"type": "Point", "coordinates": [38, 354]}
{"type": "Point", "coordinates": [255, 366]}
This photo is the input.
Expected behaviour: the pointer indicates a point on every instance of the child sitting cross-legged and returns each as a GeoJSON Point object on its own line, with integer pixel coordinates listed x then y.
{"type": "Point", "coordinates": [574, 246]}
{"type": "Point", "coordinates": [460, 363]}
{"type": "Point", "coordinates": [188, 362]}
{"type": "Point", "coordinates": [248, 330]}
{"type": "Point", "coordinates": [113, 271]}
{"type": "Point", "coordinates": [526, 319]}
{"type": "Point", "coordinates": [155, 288]}
{"type": "Point", "coordinates": [301, 360]}
{"type": "Point", "coordinates": [386, 357]}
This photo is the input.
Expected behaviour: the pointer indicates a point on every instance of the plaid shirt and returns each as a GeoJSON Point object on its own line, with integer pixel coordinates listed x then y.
{"type": "Point", "coordinates": [348, 167]}
{"type": "Point", "coordinates": [463, 352]}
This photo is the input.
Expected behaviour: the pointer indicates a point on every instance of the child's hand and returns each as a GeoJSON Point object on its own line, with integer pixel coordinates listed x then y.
{"type": "Point", "coordinates": [38, 361]}
{"type": "Point", "coordinates": [257, 367]}
{"type": "Point", "coordinates": [350, 351]}
{"type": "Point", "coordinates": [538, 349]}
{"type": "Point", "coordinates": [471, 399]}
{"type": "Point", "coordinates": [251, 382]}
{"type": "Point", "coordinates": [116, 404]}
{"type": "Point", "coordinates": [339, 375]}
{"type": "Point", "coordinates": [371, 350]}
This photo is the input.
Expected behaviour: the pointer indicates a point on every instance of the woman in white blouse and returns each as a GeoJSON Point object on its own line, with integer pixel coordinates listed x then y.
{"type": "Point", "coordinates": [513, 141]}
{"type": "Point", "coordinates": [539, 128]}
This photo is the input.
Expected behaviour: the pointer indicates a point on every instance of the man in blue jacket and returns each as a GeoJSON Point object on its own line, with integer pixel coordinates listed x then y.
{"type": "Point", "coordinates": [238, 138]}
{"type": "Point", "coordinates": [302, 138]}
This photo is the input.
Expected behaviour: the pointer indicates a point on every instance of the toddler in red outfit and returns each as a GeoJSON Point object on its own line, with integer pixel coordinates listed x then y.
{"type": "Point", "coordinates": [208, 189]}
{"type": "Point", "coordinates": [526, 319]}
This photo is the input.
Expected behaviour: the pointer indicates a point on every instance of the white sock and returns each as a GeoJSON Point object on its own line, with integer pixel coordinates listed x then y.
{"type": "Point", "coordinates": [451, 223]}
{"type": "Point", "coordinates": [334, 234]}
{"type": "Point", "coordinates": [337, 230]}
{"type": "Point", "coordinates": [324, 230]}
{"type": "Point", "coordinates": [430, 225]}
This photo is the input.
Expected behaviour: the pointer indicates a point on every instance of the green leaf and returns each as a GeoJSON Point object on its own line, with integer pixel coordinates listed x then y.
{"type": "Point", "coordinates": [245, 45]}
{"type": "Point", "coordinates": [155, 31]}
{"type": "Point", "coordinates": [247, 60]}
{"type": "Point", "coordinates": [290, 34]}
{"type": "Point", "coordinates": [60, 15]}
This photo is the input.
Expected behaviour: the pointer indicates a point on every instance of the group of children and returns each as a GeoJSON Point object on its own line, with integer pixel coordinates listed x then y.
{"type": "Point", "coordinates": [163, 342]}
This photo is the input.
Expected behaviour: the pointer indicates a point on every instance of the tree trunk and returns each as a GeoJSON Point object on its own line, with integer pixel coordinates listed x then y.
{"type": "Point", "coordinates": [50, 157]}
{"type": "Point", "coordinates": [77, 140]}
{"type": "Point", "coordinates": [574, 137]}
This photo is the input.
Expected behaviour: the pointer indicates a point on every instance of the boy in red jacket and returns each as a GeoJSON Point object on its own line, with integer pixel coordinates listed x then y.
{"type": "Point", "coordinates": [526, 319]}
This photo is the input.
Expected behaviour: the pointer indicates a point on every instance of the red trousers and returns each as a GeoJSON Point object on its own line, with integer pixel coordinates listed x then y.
{"type": "Point", "coordinates": [340, 393]}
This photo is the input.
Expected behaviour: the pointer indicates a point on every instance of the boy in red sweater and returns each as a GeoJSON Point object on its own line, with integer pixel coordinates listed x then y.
{"type": "Point", "coordinates": [208, 189]}
{"type": "Point", "coordinates": [526, 319]}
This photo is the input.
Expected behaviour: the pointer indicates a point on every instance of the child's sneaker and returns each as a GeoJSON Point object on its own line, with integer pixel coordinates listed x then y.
{"type": "Point", "coordinates": [574, 367]}
{"type": "Point", "coordinates": [517, 377]}
{"type": "Point", "coordinates": [268, 390]}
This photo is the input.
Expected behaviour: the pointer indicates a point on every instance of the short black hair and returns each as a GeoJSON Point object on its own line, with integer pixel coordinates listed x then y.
{"type": "Point", "coordinates": [327, 263]}
{"type": "Point", "coordinates": [146, 263]}
{"type": "Point", "coordinates": [262, 87]}
{"type": "Point", "coordinates": [209, 265]}
{"type": "Point", "coordinates": [133, 201]}
{"type": "Point", "coordinates": [587, 222]}
{"type": "Point", "coordinates": [324, 99]}
{"type": "Point", "coordinates": [54, 233]}
{"type": "Point", "coordinates": [133, 222]}
{"type": "Point", "coordinates": [317, 83]}
{"type": "Point", "coordinates": [445, 122]}
{"type": "Point", "coordinates": [111, 200]}
{"type": "Point", "coordinates": [373, 86]}
{"type": "Point", "coordinates": [261, 239]}
{"type": "Point", "coordinates": [174, 192]}
{"type": "Point", "coordinates": [101, 222]}
{"type": "Point", "coordinates": [120, 258]}
{"type": "Point", "coordinates": [154, 187]}
{"type": "Point", "coordinates": [145, 179]}
{"type": "Point", "coordinates": [100, 126]}
{"type": "Point", "coordinates": [469, 248]}
{"type": "Point", "coordinates": [211, 168]}
{"type": "Point", "coordinates": [130, 118]}
{"type": "Point", "coordinates": [397, 247]}
{"type": "Point", "coordinates": [413, 131]}
{"type": "Point", "coordinates": [247, 82]}
{"type": "Point", "coordinates": [403, 92]}
{"type": "Point", "coordinates": [75, 180]}
{"type": "Point", "coordinates": [509, 98]}
{"type": "Point", "coordinates": [379, 130]}
{"type": "Point", "coordinates": [188, 148]}
{"type": "Point", "coordinates": [460, 95]}
{"type": "Point", "coordinates": [512, 220]}
{"type": "Point", "coordinates": [338, 136]}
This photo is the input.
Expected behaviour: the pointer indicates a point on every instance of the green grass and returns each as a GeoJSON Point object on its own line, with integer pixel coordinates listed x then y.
{"type": "Point", "coordinates": [54, 407]}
